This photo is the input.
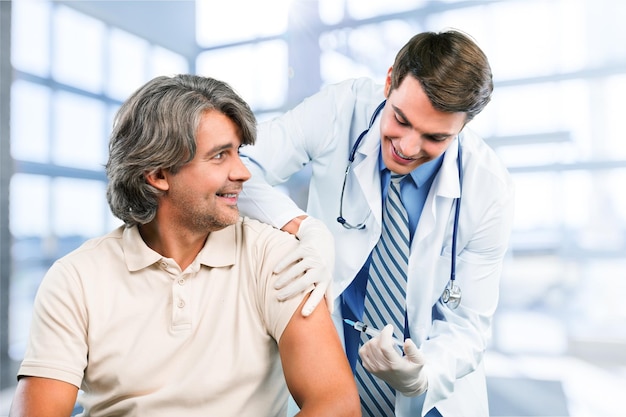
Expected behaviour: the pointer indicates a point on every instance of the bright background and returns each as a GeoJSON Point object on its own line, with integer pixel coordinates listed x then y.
{"type": "Point", "coordinates": [556, 120]}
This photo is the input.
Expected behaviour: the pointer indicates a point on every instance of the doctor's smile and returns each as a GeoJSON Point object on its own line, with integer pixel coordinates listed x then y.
{"type": "Point", "coordinates": [398, 161]}
{"type": "Point", "coordinates": [401, 156]}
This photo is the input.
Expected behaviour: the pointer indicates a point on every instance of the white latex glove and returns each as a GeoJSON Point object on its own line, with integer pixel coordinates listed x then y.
{"type": "Point", "coordinates": [311, 263]}
{"type": "Point", "coordinates": [405, 374]}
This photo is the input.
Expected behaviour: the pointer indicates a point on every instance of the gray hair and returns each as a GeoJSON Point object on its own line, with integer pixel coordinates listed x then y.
{"type": "Point", "coordinates": [156, 129]}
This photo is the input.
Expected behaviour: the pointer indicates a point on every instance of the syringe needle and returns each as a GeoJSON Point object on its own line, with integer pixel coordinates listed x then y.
{"type": "Point", "coordinates": [362, 327]}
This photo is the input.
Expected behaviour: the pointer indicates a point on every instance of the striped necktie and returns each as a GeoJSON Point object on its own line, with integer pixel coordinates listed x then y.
{"type": "Point", "coordinates": [385, 295]}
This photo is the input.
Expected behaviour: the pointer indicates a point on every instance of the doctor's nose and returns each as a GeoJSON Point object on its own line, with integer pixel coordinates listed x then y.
{"type": "Point", "coordinates": [409, 145]}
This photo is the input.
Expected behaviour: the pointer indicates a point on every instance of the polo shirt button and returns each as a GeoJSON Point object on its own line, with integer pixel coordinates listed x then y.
{"type": "Point", "coordinates": [181, 282]}
{"type": "Point", "coordinates": [181, 303]}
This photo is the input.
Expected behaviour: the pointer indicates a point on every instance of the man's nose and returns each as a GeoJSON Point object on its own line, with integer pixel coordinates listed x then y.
{"type": "Point", "coordinates": [240, 172]}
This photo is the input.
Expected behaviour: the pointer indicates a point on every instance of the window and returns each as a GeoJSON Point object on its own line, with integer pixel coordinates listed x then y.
{"type": "Point", "coordinates": [66, 91]}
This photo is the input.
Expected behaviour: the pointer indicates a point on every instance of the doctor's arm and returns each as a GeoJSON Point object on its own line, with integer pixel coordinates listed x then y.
{"type": "Point", "coordinates": [316, 369]}
{"type": "Point", "coordinates": [303, 135]}
{"type": "Point", "coordinates": [313, 261]}
{"type": "Point", "coordinates": [284, 146]}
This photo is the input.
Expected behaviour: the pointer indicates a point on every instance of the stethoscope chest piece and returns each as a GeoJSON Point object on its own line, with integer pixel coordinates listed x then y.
{"type": "Point", "coordinates": [451, 295]}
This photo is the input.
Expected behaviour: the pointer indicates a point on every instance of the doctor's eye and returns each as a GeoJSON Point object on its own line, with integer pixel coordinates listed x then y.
{"type": "Point", "coordinates": [400, 121]}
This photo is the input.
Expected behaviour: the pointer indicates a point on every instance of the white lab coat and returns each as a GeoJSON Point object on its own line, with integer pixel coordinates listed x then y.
{"type": "Point", "coordinates": [321, 132]}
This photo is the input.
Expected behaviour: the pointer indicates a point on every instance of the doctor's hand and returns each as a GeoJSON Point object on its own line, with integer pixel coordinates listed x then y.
{"type": "Point", "coordinates": [311, 263]}
{"type": "Point", "coordinates": [405, 374]}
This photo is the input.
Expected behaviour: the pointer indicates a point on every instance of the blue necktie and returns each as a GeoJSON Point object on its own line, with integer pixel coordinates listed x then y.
{"type": "Point", "coordinates": [385, 295]}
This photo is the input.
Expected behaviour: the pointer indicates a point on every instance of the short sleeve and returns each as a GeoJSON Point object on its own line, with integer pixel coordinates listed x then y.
{"type": "Point", "coordinates": [57, 345]}
{"type": "Point", "coordinates": [270, 247]}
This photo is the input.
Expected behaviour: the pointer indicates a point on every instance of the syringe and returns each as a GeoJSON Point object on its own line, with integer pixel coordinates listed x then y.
{"type": "Point", "coordinates": [362, 327]}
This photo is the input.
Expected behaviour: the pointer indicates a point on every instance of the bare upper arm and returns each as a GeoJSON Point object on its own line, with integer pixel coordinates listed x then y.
{"type": "Point", "coordinates": [315, 366]}
{"type": "Point", "coordinates": [43, 397]}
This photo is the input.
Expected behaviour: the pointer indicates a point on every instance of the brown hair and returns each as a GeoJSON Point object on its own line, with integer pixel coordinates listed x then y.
{"type": "Point", "coordinates": [452, 69]}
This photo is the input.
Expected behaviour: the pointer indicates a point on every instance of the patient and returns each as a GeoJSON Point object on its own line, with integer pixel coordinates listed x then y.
{"type": "Point", "coordinates": [175, 313]}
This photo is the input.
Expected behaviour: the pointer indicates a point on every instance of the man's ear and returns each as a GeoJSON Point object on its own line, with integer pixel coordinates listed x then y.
{"type": "Point", "coordinates": [157, 179]}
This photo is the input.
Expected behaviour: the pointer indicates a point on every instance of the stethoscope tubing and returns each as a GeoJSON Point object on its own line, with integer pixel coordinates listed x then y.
{"type": "Point", "coordinates": [451, 287]}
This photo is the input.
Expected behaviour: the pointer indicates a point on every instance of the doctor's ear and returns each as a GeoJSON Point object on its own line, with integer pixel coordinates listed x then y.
{"type": "Point", "coordinates": [157, 179]}
{"type": "Point", "coordinates": [388, 82]}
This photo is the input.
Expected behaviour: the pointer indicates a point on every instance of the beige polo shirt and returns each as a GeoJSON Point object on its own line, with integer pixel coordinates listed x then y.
{"type": "Point", "coordinates": [143, 338]}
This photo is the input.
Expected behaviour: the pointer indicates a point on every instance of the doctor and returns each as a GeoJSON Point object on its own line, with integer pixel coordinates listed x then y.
{"type": "Point", "coordinates": [355, 135]}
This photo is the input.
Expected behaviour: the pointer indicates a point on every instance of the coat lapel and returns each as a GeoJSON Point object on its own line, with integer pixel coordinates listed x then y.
{"type": "Point", "coordinates": [365, 167]}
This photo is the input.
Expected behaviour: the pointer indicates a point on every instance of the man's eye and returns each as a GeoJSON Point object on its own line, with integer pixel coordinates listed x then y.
{"type": "Point", "coordinates": [219, 155]}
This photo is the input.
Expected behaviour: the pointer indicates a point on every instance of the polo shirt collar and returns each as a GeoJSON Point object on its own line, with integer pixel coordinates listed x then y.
{"type": "Point", "coordinates": [219, 249]}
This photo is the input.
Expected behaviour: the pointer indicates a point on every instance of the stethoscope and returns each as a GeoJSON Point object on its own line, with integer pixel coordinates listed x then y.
{"type": "Point", "coordinates": [451, 295]}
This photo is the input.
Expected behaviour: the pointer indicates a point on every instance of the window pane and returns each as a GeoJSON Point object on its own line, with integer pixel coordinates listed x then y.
{"type": "Point", "coordinates": [165, 62]}
{"type": "Point", "coordinates": [79, 131]}
{"type": "Point", "coordinates": [366, 51]}
{"type": "Point", "coordinates": [28, 206]}
{"type": "Point", "coordinates": [30, 122]}
{"type": "Point", "coordinates": [551, 46]}
{"type": "Point", "coordinates": [360, 9]}
{"type": "Point", "coordinates": [79, 207]}
{"type": "Point", "coordinates": [78, 57]}
{"type": "Point", "coordinates": [127, 64]}
{"type": "Point", "coordinates": [546, 107]}
{"type": "Point", "coordinates": [236, 20]}
{"type": "Point", "coordinates": [535, 196]}
{"type": "Point", "coordinates": [264, 87]}
{"type": "Point", "coordinates": [30, 28]}
{"type": "Point", "coordinates": [614, 143]}
{"type": "Point", "coordinates": [615, 181]}
{"type": "Point", "coordinates": [331, 11]}
{"type": "Point", "coordinates": [29, 223]}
